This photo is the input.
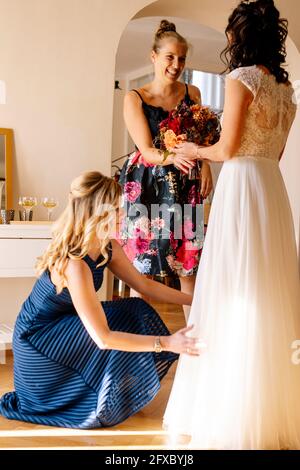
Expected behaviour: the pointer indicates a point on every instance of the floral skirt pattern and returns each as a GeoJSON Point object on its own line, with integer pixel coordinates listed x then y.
{"type": "Point", "coordinates": [163, 227]}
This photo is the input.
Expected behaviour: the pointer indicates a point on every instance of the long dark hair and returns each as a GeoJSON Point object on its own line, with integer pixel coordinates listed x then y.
{"type": "Point", "coordinates": [257, 37]}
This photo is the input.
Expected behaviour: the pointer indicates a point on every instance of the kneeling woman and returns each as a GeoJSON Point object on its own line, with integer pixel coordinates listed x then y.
{"type": "Point", "coordinates": [77, 362]}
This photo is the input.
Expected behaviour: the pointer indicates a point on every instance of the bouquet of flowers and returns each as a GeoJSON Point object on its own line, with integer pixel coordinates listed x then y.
{"type": "Point", "coordinates": [195, 123]}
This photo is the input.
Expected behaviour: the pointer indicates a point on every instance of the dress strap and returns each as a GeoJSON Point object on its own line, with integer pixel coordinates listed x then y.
{"type": "Point", "coordinates": [187, 96]}
{"type": "Point", "coordinates": [139, 95]}
{"type": "Point", "coordinates": [187, 99]}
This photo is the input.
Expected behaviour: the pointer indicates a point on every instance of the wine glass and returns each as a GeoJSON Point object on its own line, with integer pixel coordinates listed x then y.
{"type": "Point", "coordinates": [50, 203]}
{"type": "Point", "coordinates": [28, 203]}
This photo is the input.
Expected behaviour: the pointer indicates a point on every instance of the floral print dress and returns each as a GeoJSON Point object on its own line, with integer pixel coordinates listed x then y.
{"type": "Point", "coordinates": [163, 227]}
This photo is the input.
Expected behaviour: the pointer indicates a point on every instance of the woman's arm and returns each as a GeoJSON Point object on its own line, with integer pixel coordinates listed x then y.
{"type": "Point", "coordinates": [84, 298]}
{"type": "Point", "coordinates": [237, 100]}
{"type": "Point", "coordinates": [206, 180]}
{"type": "Point", "coordinates": [206, 176]}
{"type": "Point", "coordinates": [139, 131]}
{"type": "Point", "coordinates": [121, 267]}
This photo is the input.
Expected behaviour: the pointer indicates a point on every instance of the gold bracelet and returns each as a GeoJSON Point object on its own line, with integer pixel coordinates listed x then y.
{"type": "Point", "coordinates": [165, 154]}
{"type": "Point", "coordinates": [157, 345]}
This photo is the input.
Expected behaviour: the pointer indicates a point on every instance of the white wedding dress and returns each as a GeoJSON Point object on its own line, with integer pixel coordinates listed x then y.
{"type": "Point", "coordinates": [243, 392]}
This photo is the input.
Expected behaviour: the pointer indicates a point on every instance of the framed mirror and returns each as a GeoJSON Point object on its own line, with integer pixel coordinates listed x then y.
{"type": "Point", "coordinates": [6, 152]}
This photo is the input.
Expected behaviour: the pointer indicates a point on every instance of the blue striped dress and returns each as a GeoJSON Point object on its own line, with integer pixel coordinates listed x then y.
{"type": "Point", "coordinates": [61, 376]}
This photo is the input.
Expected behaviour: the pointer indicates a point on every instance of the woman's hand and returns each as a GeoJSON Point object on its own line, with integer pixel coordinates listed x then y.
{"type": "Point", "coordinates": [180, 343]}
{"type": "Point", "coordinates": [188, 150]}
{"type": "Point", "coordinates": [206, 180]}
{"type": "Point", "coordinates": [182, 163]}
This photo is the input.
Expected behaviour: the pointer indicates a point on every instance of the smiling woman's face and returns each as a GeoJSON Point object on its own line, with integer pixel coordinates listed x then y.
{"type": "Point", "coordinates": [169, 61]}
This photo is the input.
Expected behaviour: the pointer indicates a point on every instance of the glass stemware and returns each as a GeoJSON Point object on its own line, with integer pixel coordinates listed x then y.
{"type": "Point", "coordinates": [50, 203]}
{"type": "Point", "coordinates": [27, 203]}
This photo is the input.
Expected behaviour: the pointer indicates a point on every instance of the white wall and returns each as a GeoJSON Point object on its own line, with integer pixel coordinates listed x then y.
{"type": "Point", "coordinates": [118, 132]}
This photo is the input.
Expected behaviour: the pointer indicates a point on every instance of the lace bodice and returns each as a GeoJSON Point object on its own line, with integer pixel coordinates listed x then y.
{"type": "Point", "coordinates": [270, 115]}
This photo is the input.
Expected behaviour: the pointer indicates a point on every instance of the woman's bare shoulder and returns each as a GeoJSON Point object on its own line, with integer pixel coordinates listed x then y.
{"type": "Point", "coordinates": [194, 93]}
{"type": "Point", "coordinates": [74, 268]}
{"type": "Point", "coordinates": [78, 268]}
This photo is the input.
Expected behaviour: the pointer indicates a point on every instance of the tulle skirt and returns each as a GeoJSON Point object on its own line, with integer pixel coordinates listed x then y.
{"type": "Point", "coordinates": [243, 392]}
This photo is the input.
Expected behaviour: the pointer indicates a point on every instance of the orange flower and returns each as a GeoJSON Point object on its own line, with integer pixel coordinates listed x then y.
{"type": "Point", "coordinates": [171, 139]}
{"type": "Point", "coordinates": [196, 108]}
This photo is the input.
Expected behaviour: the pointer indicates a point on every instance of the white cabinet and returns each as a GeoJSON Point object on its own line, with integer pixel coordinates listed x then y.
{"type": "Point", "coordinates": [20, 245]}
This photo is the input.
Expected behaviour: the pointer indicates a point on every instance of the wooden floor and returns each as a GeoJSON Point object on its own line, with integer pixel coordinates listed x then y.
{"type": "Point", "coordinates": [141, 431]}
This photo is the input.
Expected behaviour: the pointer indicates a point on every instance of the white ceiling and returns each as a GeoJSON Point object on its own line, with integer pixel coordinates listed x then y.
{"type": "Point", "coordinates": [137, 38]}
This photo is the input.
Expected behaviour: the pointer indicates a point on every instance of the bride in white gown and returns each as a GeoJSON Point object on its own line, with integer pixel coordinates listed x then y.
{"type": "Point", "coordinates": [243, 392]}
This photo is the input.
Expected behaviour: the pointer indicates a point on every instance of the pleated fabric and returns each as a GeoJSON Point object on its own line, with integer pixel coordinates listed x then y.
{"type": "Point", "coordinates": [243, 391]}
{"type": "Point", "coordinates": [61, 376]}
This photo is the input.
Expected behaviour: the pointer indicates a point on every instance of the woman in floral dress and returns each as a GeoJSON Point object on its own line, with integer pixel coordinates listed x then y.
{"type": "Point", "coordinates": [164, 229]}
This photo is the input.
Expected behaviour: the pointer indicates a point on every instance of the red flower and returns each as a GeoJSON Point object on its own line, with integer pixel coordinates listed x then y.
{"type": "Point", "coordinates": [132, 191]}
{"type": "Point", "coordinates": [188, 257]}
{"type": "Point", "coordinates": [174, 125]}
{"type": "Point", "coordinates": [142, 243]}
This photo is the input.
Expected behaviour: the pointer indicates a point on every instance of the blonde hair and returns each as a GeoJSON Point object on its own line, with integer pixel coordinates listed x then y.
{"type": "Point", "coordinates": [93, 201]}
{"type": "Point", "coordinates": [167, 30]}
